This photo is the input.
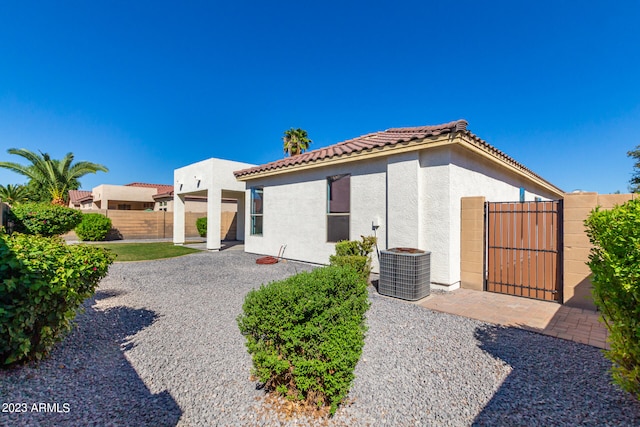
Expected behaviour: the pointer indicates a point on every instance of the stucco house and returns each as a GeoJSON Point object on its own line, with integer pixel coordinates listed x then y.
{"type": "Point", "coordinates": [136, 196]}
{"type": "Point", "coordinates": [402, 185]}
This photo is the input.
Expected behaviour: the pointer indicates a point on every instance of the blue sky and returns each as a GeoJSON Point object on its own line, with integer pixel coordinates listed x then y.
{"type": "Point", "coordinates": [146, 87]}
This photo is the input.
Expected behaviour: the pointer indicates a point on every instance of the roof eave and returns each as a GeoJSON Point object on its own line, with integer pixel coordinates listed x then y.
{"type": "Point", "coordinates": [371, 153]}
{"type": "Point", "coordinates": [472, 142]}
{"type": "Point", "coordinates": [462, 138]}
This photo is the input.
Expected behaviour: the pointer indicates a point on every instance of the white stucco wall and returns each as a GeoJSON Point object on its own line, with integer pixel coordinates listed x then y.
{"type": "Point", "coordinates": [450, 173]}
{"type": "Point", "coordinates": [206, 178]}
{"type": "Point", "coordinates": [295, 210]}
{"type": "Point", "coordinates": [414, 197]}
{"type": "Point", "coordinates": [404, 186]}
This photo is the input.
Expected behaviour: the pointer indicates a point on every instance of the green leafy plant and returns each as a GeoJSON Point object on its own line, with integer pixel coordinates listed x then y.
{"type": "Point", "coordinates": [296, 141]}
{"type": "Point", "coordinates": [43, 281]}
{"type": "Point", "coordinates": [14, 194]}
{"type": "Point", "coordinates": [615, 264]}
{"type": "Point", "coordinates": [56, 177]}
{"type": "Point", "coordinates": [201, 225]}
{"type": "Point", "coordinates": [354, 254]}
{"type": "Point", "coordinates": [44, 219]}
{"type": "Point", "coordinates": [305, 334]}
{"type": "Point", "coordinates": [94, 227]}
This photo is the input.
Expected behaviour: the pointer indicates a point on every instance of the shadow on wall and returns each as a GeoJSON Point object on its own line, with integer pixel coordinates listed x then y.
{"type": "Point", "coordinates": [553, 382]}
{"type": "Point", "coordinates": [89, 372]}
{"type": "Point", "coordinates": [582, 297]}
{"type": "Point", "coordinates": [114, 234]}
{"type": "Point", "coordinates": [229, 229]}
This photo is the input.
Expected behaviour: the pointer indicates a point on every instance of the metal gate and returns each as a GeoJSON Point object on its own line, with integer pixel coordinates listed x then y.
{"type": "Point", "coordinates": [524, 249]}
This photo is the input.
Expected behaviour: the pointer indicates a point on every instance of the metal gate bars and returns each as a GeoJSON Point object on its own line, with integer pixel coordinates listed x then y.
{"type": "Point", "coordinates": [523, 254]}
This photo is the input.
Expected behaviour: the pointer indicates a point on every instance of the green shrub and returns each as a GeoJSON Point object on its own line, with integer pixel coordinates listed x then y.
{"type": "Point", "coordinates": [305, 334]}
{"type": "Point", "coordinates": [43, 281]}
{"type": "Point", "coordinates": [44, 219]}
{"type": "Point", "coordinates": [356, 247]}
{"type": "Point", "coordinates": [615, 264]}
{"type": "Point", "coordinates": [201, 225]}
{"type": "Point", "coordinates": [94, 227]}
{"type": "Point", "coordinates": [354, 254]}
{"type": "Point", "coordinates": [357, 262]}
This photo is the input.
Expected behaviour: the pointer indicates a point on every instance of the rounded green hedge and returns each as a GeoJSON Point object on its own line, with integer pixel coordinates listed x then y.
{"type": "Point", "coordinates": [201, 225]}
{"type": "Point", "coordinates": [94, 227]}
{"type": "Point", "coordinates": [43, 281]}
{"type": "Point", "coordinates": [43, 219]}
{"type": "Point", "coordinates": [305, 334]}
{"type": "Point", "coordinates": [615, 264]}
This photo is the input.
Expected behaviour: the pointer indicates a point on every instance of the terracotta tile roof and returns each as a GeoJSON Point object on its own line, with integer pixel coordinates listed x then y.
{"type": "Point", "coordinates": [161, 188]}
{"type": "Point", "coordinates": [164, 195]}
{"type": "Point", "coordinates": [387, 138]}
{"type": "Point", "coordinates": [362, 143]}
{"type": "Point", "coordinates": [77, 196]}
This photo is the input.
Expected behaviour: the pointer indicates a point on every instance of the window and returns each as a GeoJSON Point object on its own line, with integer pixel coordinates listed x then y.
{"type": "Point", "coordinates": [124, 207]}
{"type": "Point", "coordinates": [338, 207]}
{"type": "Point", "coordinates": [257, 197]}
{"type": "Point", "coordinates": [148, 205]}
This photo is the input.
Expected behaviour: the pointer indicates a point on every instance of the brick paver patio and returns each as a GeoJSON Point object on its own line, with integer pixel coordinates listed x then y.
{"type": "Point", "coordinates": [544, 317]}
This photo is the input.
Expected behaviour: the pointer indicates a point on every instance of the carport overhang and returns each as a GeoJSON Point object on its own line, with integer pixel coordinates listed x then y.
{"type": "Point", "coordinates": [213, 179]}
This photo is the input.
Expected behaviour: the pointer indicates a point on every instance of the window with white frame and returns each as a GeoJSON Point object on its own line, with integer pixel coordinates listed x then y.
{"type": "Point", "coordinates": [338, 207]}
{"type": "Point", "coordinates": [257, 196]}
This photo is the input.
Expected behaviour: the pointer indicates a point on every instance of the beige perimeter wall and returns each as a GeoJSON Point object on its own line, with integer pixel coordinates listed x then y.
{"type": "Point", "coordinates": [472, 243]}
{"type": "Point", "coordinates": [577, 207]}
{"type": "Point", "coordinates": [576, 246]}
{"type": "Point", "coordinates": [158, 224]}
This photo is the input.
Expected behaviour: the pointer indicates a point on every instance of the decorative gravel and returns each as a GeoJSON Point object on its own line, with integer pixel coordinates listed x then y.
{"type": "Point", "coordinates": [159, 346]}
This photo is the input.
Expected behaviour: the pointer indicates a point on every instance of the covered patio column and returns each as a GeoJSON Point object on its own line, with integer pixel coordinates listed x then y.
{"type": "Point", "coordinates": [178, 220]}
{"type": "Point", "coordinates": [240, 218]}
{"type": "Point", "coordinates": [214, 206]}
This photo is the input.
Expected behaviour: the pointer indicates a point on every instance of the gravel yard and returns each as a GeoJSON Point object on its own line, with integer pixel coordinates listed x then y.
{"type": "Point", "coordinates": [159, 346]}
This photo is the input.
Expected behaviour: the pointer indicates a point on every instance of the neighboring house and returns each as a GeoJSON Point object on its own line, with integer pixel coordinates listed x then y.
{"type": "Point", "coordinates": [402, 185]}
{"type": "Point", "coordinates": [80, 199]}
{"type": "Point", "coordinates": [136, 196]}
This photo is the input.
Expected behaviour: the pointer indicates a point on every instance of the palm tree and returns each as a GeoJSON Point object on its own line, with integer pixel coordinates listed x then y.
{"type": "Point", "coordinates": [12, 194]}
{"type": "Point", "coordinates": [295, 141]}
{"type": "Point", "coordinates": [56, 176]}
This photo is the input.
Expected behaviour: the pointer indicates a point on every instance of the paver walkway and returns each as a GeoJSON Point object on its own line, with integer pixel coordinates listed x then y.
{"type": "Point", "coordinates": [544, 317]}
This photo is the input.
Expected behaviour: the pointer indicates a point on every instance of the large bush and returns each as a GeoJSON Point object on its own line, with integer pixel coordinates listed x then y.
{"type": "Point", "coordinates": [354, 254]}
{"type": "Point", "coordinates": [43, 281]}
{"type": "Point", "coordinates": [305, 334]}
{"type": "Point", "coordinates": [44, 219]}
{"type": "Point", "coordinates": [94, 227]}
{"type": "Point", "coordinates": [201, 225]}
{"type": "Point", "coordinates": [615, 263]}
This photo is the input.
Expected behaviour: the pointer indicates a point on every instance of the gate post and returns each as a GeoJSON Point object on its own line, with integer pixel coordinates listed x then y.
{"type": "Point", "coordinates": [472, 243]}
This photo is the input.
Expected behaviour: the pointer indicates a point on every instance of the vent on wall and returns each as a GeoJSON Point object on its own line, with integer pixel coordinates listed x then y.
{"type": "Point", "coordinates": [405, 273]}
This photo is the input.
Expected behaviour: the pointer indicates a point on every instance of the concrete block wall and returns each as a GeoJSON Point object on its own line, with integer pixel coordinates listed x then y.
{"type": "Point", "coordinates": [472, 243]}
{"type": "Point", "coordinates": [577, 207]}
{"type": "Point", "coordinates": [158, 224]}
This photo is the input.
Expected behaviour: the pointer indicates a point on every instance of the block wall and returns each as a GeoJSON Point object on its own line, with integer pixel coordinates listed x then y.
{"type": "Point", "coordinates": [472, 243]}
{"type": "Point", "coordinates": [577, 207]}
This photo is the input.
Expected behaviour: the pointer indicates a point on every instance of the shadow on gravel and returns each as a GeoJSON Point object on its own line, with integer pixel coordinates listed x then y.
{"type": "Point", "coordinates": [553, 382]}
{"type": "Point", "coordinates": [87, 380]}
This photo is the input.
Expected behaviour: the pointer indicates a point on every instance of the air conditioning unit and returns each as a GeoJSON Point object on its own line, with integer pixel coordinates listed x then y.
{"type": "Point", "coordinates": [405, 273]}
